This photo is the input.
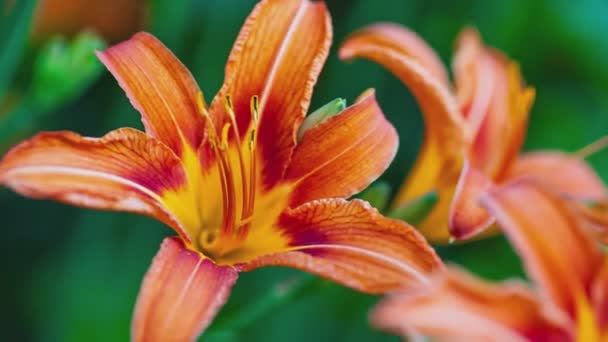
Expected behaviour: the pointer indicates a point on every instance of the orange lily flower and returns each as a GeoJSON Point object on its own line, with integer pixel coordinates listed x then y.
{"type": "Point", "coordinates": [473, 133]}
{"type": "Point", "coordinates": [570, 270]}
{"type": "Point", "coordinates": [232, 179]}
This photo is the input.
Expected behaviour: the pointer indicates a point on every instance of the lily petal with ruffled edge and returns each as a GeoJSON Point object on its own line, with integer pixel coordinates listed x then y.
{"type": "Point", "coordinates": [343, 155]}
{"type": "Point", "coordinates": [125, 170]}
{"type": "Point", "coordinates": [354, 245]}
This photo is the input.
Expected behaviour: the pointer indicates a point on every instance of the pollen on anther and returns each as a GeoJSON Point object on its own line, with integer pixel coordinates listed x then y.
{"type": "Point", "coordinates": [225, 131]}
{"type": "Point", "coordinates": [254, 108]}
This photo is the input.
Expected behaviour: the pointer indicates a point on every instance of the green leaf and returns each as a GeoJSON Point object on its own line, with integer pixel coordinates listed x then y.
{"type": "Point", "coordinates": [377, 195]}
{"type": "Point", "coordinates": [417, 209]}
{"type": "Point", "coordinates": [14, 30]}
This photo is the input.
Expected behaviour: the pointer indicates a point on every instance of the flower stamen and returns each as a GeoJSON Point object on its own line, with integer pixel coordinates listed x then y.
{"type": "Point", "coordinates": [249, 194]}
{"type": "Point", "coordinates": [227, 178]}
{"type": "Point", "coordinates": [245, 195]}
{"type": "Point", "coordinates": [233, 227]}
{"type": "Point", "coordinates": [254, 108]}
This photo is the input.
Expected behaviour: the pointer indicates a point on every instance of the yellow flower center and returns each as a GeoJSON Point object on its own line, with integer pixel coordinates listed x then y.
{"type": "Point", "coordinates": [238, 189]}
{"type": "Point", "coordinates": [236, 226]}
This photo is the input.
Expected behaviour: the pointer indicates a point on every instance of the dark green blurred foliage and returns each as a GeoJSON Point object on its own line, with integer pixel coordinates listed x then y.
{"type": "Point", "coordinates": [61, 72]}
{"type": "Point", "coordinates": [416, 210]}
{"type": "Point", "coordinates": [73, 275]}
{"type": "Point", "coordinates": [377, 194]}
{"type": "Point", "coordinates": [62, 69]}
{"type": "Point", "coordinates": [14, 29]}
{"type": "Point", "coordinates": [44, 80]}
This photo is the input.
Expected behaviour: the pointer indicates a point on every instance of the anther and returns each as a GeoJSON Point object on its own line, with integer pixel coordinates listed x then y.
{"type": "Point", "coordinates": [224, 141]}
{"type": "Point", "coordinates": [252, 140]}
{"type": "Point", "coordinates": [229, 107]}
{"type": "Point", "coordinates": [254, 108]}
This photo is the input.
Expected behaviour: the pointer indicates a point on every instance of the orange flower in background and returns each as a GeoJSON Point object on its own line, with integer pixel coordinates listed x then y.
{"type": "Point", "coordinates": [113, 19]}
{"type": "Point", "coordinates": [474, 130]}
{"type": "Point", "coordinates": [233, 179]}
{"type": "Point", "coordinates": [570, 270]}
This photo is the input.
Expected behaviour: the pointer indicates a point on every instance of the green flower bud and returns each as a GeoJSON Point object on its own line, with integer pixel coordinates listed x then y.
{"type": "Point", "coordinates": [63, 70]}
{"type": "Point", "coordinates": [328, 110]}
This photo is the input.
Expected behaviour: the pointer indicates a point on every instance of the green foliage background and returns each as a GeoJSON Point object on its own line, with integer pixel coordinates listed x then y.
{"type": "Point", "coordinates": [73, 275]}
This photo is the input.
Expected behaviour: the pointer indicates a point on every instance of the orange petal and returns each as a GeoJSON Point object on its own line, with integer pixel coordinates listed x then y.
{"type": "Point", "coordinates": [344, 154]}
{"type": "Point", "coordinates": [125, 170]}
{"type": "Point", "coordinates": [352, 244]}
{"type": "Point", "coordinates": [599, 294]}
{"type": "Point", "coordinates": [469, 71]}
{"type": "Point", "coordinates": [596, 213]}
{"type": "Point", "coordinates": [552, 240]}
{"type": "Point", "coordinates": [571, 176]}
{"type": "Point", "coordinates": [395, 37]}
{"type": "Point", "coordinates": [477, 71]}
{"type": "Point", "coordinates": [160, 88]}
{"type": "Point", "coordinates": [519, 102]}
{"type": "Point", "coordinates": [494, 101]}
{"type": "Point", "coordinates": [565, 173]}
{"type": "Point", "coordinates": [447, 136]}
{"type": "Point", "coordinates": [277, 56]}
{"type": "Point", "coordinates": [180, 295]}
{"type": "Point", "coordinates": [502, 132]}
{"type": "Point", "coordinates": [459, 307]}
{"type": "Point", "coordinates": [467, 217]}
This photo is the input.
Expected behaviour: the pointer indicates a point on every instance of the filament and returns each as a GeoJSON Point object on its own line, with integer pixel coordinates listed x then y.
{"type": "Point", "coordinates": [233, 227]}
{"type": "Point", "coordinates": [592, 148]}
{"type": "Point", "coordinates": [231, 115]}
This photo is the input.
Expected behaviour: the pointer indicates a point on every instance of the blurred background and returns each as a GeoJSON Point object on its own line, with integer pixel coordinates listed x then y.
{"type": "Point", "coordinates": [73, 274]}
